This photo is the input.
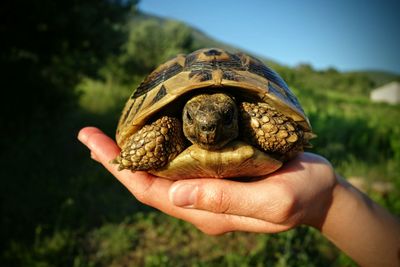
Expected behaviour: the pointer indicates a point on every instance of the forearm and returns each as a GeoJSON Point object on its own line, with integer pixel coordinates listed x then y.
{"type": "Point", "coordinates": [362, 229]}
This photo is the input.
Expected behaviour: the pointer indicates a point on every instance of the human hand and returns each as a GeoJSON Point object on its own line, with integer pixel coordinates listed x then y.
{"type": "Point", "coordinates": [299, 193]}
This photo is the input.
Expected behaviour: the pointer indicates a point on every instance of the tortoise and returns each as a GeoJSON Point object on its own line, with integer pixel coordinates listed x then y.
{"type": "Point", "coordinates": [212, 114]}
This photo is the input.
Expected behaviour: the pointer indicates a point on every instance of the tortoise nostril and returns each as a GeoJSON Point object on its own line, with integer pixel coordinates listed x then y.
{"type": "Point", "coordinates": [208, 128]}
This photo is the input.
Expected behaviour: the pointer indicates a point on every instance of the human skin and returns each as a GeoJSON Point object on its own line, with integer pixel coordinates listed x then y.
{"type": "Point", "coordinates": [306, 191]}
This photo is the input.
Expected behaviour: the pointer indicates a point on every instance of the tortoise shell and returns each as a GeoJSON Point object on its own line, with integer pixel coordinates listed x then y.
{"type": "Point", "coordinates": [205, 69]}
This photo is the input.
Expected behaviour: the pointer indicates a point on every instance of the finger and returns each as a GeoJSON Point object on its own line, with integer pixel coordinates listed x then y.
{"type": "Point", "coordinates": [93, 156]}
{"type": "Point", "coordinates": [86, 132]}
{"type": "Point", "coordinates": [139, 183]}
{"type": "Point", "coordinates": [145, 187]}
{"type": "Point", "coordinates": [99, 143]}
{"type": "Point", "coordinates": [104, 149]}
{"type": "Point", "coordinates": [216, 223]}
{"type": "Point", "coordinates": [286, 197]}
{"type": "Point", "coordinates": [84, 135]}
{"type": "Point", "coordinates": [271, 201]}
{"type": "Point", "coordinates": [156, 195]}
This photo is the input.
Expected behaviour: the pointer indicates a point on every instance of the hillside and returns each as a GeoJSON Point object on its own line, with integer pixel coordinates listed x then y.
{"type": "Point", "coordinates": [357, 82]}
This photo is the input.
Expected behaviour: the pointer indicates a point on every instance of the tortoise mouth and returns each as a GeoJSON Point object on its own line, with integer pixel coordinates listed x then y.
{"type": "Point", "coordinates": [213, 146]}
{"type": "Point", "coordinates": [214, 140]}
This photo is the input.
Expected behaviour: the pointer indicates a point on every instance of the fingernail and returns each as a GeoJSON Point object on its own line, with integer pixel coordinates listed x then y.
{"type": "Point", "coordinates": [184, 195]}
{"type": "Point", "coordinates": [82, 137]}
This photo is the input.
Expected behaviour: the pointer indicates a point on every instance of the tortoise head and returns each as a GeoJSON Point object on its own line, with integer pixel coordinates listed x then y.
{"type": "Point", "coordinates": [210, 120]}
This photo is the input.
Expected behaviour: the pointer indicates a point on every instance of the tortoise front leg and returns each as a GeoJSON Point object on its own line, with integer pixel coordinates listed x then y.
{"type": "Point", "coordinates": [270, 130]}
{"type": "Point", "coordinates": [153, 146]}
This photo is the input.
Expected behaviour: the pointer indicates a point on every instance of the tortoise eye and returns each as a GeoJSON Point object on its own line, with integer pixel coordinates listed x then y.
{"type": "Point", "coordinates": [189, 118]}
{"type": "Point", "coordinates": [228, 117]}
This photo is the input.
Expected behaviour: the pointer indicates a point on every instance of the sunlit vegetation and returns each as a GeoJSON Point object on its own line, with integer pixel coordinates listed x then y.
{"type": "Point", "coordinates": [72, 65]}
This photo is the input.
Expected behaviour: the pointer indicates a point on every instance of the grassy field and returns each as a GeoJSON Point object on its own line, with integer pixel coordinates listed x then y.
{"type": "Point", "coordinates": [62, 209]}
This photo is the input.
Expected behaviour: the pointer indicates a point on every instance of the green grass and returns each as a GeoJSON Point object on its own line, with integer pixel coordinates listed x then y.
{"type": "Point", "coordinates": [154, 239]}
{"type": "Point", "coordinates": [93, 220]}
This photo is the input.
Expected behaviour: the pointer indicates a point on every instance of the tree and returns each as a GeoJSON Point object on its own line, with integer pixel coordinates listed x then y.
{"type": "Point", "coordinates": [45, 49]}
{"type": "Point", "coordinates": [47, 46]}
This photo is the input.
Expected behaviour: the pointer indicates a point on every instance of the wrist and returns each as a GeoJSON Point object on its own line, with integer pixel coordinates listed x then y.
{"type": "Point", "coordinates": [361, 228]}
{"type": "Point", "coordinates": [321, 205]}
{"type": "Point", "coordinates": [345, 202]}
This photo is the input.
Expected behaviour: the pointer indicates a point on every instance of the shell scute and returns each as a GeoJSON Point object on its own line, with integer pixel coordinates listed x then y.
{"type": "Point", "coordinates": [160, 94]}
{"type": "Point", "coordinates": [156, 78]}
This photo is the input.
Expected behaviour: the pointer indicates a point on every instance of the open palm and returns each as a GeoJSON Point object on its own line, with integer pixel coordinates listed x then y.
{"type": "Point", "coordinates": [299, 193]}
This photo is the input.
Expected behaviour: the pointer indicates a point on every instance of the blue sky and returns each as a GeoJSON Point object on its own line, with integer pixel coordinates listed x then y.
{"type": "Point", "coordinates": [347, 35]}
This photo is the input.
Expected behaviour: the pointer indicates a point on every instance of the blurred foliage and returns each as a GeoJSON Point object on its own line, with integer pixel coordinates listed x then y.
{"type": "Point", "coordinates": [67, 64]}
{"type": "Point", "coordinates": [47, 46]}
{"type": "Point", "coordinates": [355, 83]}
{"type": "Point", "coordinates": [154, 239]}
{"type": "Point", "coordinates": [46, 49]}
{"type": "Point", "coordinates": [152, 42]}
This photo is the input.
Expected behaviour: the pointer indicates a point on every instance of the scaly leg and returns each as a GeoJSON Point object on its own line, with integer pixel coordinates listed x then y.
{"type": "Point", "coordinates": [153, 146]}
{"type": "Point", "coordinates": [270, 130]}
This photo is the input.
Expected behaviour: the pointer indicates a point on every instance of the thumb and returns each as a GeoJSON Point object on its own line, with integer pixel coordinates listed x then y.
{"type": "Point", "coordinates": [266, 200]}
